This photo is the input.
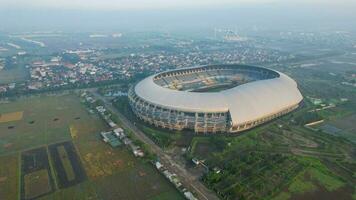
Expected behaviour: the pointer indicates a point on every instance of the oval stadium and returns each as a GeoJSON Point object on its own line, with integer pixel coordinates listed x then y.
{"type": "Point", "coordinates": [214, 98]}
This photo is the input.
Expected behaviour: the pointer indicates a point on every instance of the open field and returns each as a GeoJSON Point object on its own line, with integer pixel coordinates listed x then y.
{"type": "Point", "coordinates": [36, 176]}
{"type": "Point", "coordinates": [9, 176]}
{"type": "Point", "coordinates": [117, 174]}
{"type": "Point", "coordinates": [139, 181]}
{"type": "Point", "coordinates": [71, 133]}
{"type": "Point", "coordinates": [46, 120]}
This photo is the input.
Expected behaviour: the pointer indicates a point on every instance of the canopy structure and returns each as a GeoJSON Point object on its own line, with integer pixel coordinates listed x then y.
{"type": "Point", "coordinates": [248, 103]}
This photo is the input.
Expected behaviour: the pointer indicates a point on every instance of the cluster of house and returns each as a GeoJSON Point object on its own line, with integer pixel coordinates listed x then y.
{"type": "Point", "coordinates": [5, 87]}
{"type": "Point", "coordinates": [116, 137]}
{"type": "Point", "coordinates": [174, 180]}
{"type": "Point", "coordinates": [57, 73]}
{"type": "Point", "coordinates": [136, 150]}
{"type": "Point", "coordinates": [90, 66]}
{"type": "Point", "coordinates": [115, 93]}
{"type": "Point", "coordinates": [110, 138]}
{"type": "Point", "coordinates": [106, 116]}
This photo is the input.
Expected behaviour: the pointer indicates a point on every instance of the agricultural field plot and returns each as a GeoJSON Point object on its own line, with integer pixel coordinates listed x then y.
{"type": "Point", "coordinates": [320, 162]}
{"type": "Point", "coordinates": [253, 175]}
{"type": "Point", "coordinates": [316, 181]}
{"type": "Point", "coordinates": [45, 120]}
{"type": "Point", "coordinates": [13, 75]}
{"type": "Point", "coordinates": [81, 191]}
{"type": "Point", "coordinates": [56, 122]}
{"type": "Point", "coordinates": [36, 175]}
{"type": "Point", "coordinates": [9, 175]}
{"type": "Point", "coordinates": [9, 117]}
{"type": "Point", "coordinates": [347, 126]}
{"type": "Point", "coordinates": [141, 181]}
{"type": "Point", "coordinates": [116, 173]}
{"type": "Point", "coordinates": [203, 147]}
{"type": "Point", "coordinates": [99, 159]}
{"type": "Point", "coordinates": [67, 164]}
{"type": "Point", "coordinates": [36, 184]}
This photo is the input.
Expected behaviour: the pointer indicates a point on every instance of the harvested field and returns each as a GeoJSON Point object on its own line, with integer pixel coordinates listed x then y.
{"type": "Point", "coordinates": [36, 184]}
{"type": "Point", "coordinates": [9, 117]}
{"type": "Point", "coordinates": [9, 175]}
{"type": "Point", "coordinates": [67, 164]}
{"type": "Point", "coordinates": [36, 179]}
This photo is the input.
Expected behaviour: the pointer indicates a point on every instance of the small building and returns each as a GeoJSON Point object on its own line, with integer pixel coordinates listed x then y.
{"type": "Point", "coordinates": [100, 109]}
{"type": "Point", "coordinates": [119, 132]}
{"type": "Point", "coordinates": [111, 123]}
{"type": "Point", "coordinates": [189, 195]}
{"type": "Point", "coordinates": [158, 165]}
{"type": "Point", "coordinates": [110, 138]}
{"type": "Point", "coordinates": [138, 152]}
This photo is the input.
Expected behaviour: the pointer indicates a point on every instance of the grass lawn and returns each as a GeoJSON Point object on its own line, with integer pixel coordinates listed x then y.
{"type": "Point", "coordinates": [299, 185]}
{"type": "Point", "coordinates": [45, 120]}
{"type": "Point", "coordinates": [36, 183]}
{"type": "Point", "coordinates": [140, 181]}
{"type": "Point", "coordinates": [330, 182]}
{"type": "Point", "coordinates": [316, 181]}
{"type": "Point", "coordinates": [203, 147]}
{"type": "Point", "coordinates": [85, 190]}
{"type": "Point", "coordinates": [9, 175]}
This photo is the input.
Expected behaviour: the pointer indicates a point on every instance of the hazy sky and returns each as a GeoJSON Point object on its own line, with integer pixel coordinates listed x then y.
{"type": "Point", "coordinates": [154, 4]}
{"type": "Point", "coordinates": [91, 15]}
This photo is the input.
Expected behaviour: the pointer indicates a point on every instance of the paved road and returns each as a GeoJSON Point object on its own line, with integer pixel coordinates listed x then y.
{"type": "Point", "coordinates": [188, 180]}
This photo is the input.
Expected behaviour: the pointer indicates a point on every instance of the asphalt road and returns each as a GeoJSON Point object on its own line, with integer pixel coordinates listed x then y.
{"type": "Point", "coordinates": [189, 180]}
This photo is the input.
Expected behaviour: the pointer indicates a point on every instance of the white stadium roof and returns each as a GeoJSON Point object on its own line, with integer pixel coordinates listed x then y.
{"type": "Point", "coordinates": [246, 102]}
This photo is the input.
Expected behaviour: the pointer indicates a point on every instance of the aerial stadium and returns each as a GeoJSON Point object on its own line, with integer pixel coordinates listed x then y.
{"type": "Point", "coordinates": [214, 98]}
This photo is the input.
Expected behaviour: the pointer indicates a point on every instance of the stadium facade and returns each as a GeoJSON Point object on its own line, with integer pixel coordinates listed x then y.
{"type": "Point", "coordinates": [214, 98]}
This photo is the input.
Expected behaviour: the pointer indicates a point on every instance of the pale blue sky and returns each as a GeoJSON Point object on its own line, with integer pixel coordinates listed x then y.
{"type": "Point", "coordinates": [156, 4]}
{"type": "Point", "coordinates": [175, 14]}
